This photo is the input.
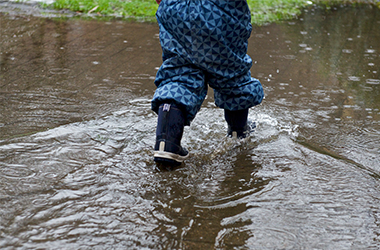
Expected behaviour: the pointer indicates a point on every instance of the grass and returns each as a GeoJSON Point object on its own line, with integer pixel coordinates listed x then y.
{"type": "Point", "coordinates": [118, 8]}
{"type": "Point", "coordinates": [263, 11]}
{"type": "Point", "coordinates": [267, 11]}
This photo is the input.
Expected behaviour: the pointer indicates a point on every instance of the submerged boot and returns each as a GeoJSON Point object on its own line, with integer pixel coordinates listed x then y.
{"type": "Point", "coordinates": [238, 124]}
{"type": "Point", "coordinates": [169, 132]}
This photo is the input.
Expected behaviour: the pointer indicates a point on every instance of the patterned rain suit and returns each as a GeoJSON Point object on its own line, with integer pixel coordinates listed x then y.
{"type": "Point", "coordinates": [204, 43]}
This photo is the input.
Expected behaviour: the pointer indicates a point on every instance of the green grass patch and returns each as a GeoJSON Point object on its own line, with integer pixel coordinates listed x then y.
{"type": "Point", "coordinates": [263, 11]}
{"type": "Point", "coordinates": [268, 11]}
{"type": "Point", "coordinates": [122, 8]}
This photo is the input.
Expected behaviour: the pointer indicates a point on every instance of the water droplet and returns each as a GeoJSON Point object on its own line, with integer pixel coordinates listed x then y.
{"type": "Point", "coordinates": [354, 78]}
{"type": "Point", "coordinates": [370, 51]}
{"type": "Point", "coordinates": [347, 51]}
{"type": "Point", "coordinates": [373, 81]}
{"type": "Point", "coordinates": [290, 57]}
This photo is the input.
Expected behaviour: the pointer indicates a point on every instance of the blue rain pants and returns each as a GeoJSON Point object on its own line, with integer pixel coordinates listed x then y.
{"type": "Point", "coordinates": [204, 42]}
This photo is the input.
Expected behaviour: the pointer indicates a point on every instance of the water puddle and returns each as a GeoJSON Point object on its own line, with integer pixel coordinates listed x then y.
{"type": "Point", "coordinates": [76, 138]}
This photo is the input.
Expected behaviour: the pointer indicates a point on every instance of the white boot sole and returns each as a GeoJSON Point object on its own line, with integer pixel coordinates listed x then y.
{"type": "Point", "coordinates": [170, 156]}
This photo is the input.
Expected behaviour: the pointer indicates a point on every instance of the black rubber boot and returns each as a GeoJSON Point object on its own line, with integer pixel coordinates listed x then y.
{"type": "Point", "coordinates": [238, 124]}
{"type": "Point", "coordinates": [170, 125]}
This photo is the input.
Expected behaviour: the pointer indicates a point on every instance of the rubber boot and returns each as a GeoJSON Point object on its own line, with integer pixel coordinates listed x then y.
{"type": "Point", "coordinates": [238, 124]}
{"type": "Point", "coordinates": [170, 125]}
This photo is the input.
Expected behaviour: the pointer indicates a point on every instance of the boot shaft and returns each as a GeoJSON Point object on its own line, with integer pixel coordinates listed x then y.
{"type": "Point", "coordinates": [170, 123]}
{"type": "Point", "coordinates": [236, 119]}
{"type": "Point", "coordinates": [238, 124]}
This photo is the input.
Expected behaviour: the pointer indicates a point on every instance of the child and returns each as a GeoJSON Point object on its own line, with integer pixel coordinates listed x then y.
{"type": "Point", "coordinates": [204, 42]}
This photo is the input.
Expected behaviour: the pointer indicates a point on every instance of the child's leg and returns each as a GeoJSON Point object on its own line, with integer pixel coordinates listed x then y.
{"type": "Point", "coordinates": [179, 95]}
{"type": "Point", "coordinates": [181, 83]}
{"type": "Point", "coordinates": [236, 101]}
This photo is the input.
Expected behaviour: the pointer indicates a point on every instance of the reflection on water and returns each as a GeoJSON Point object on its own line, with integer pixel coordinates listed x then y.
{"type": "Point", "coordinates": [76, 136]}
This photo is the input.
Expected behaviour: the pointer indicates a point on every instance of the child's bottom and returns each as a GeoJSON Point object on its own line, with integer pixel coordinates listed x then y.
{"type": "Point", "coordinates": [205, 44]}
